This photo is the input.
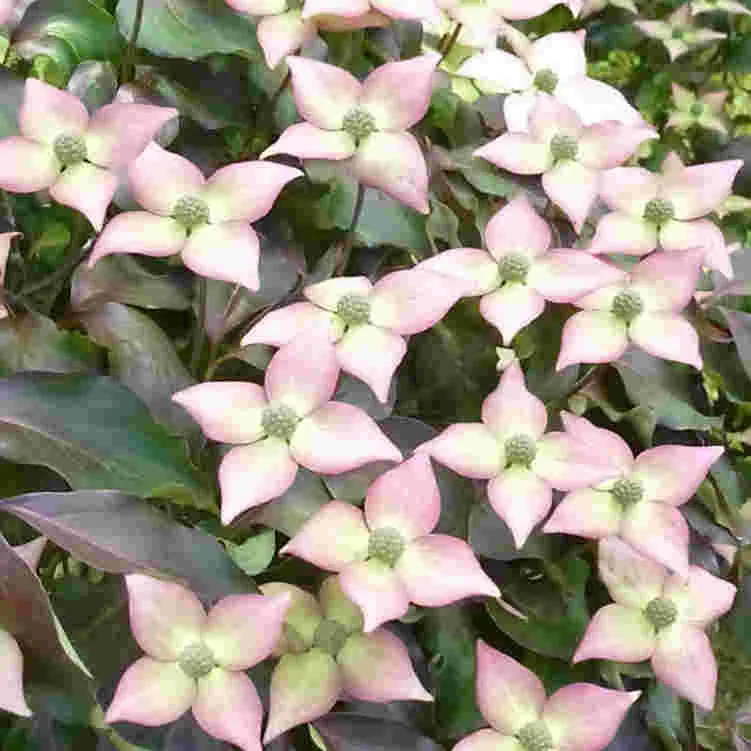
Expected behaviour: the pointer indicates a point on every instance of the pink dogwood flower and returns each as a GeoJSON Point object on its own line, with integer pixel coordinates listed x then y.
{"type": "Point", "coordinates": [712, 6]}
{"type": "Point", "coordinates": [6, 10]}
{"type": "Point", "coordinates": [365, 123]}
{"type": "Point", "coordinates": [703, 111]}
{"type": "Point", "coordinates": [326, 656]}
{"type": "Point", "coordinates": [509, 448]}
{"type": "Point", "coordinates": [197, 661]}
{"type": "Point", "coordinates": [367, 321]}
{"type": "Point", "coordinates": [5, 240]}
{"type": "Point", "coordinates": [679, 32]}
{"type": "Point", "coordinates": [643, 310]}
{"type": "Point", "coordinates": [554, 64]}
{"type": "Point", "coordinates": [206, 221]}
{"type": "Point", "coordinates": [659, 617]}
{"type": "Point", "coordinates": [519, 272]}
{"type": "Point", "coordinates": [11, 659]}
{"type": "Point", "coordinates": [76, 157]}
{"type": "Point", "coordinates": [569, 155]}
{"type": "Point", "coordinates": [666, 208]}
{"type": "Point", "coordinates": [386, 556]}
{"type": "Point", "coordinates": [511, 698]}
{"type": "Point", "coordinates": [288, 422]}
{"type": "Point", "coordinates": [640, 504]}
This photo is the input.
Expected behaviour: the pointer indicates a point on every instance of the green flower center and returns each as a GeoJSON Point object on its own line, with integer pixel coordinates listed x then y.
{"type": "Point", "coordinates": [514, 268]}
{"type": "Point", "coordinates": [354, 310]}
{"type": "Point", "coordinates": [627, 492]}
{"type": "Point", "coordinates": [279, 421]}
{"type": "Point", "coordinates": [627, 305]}
{"type": "Point", "coordinates": [563, 146]}
{"type": "Point", "coordinates": [69, 149]}
{"type": "Point", "coordinates": [661, 612]}
{"type": "Point", "coordinates": [535, 736]}
{"type": "Point", "coordinates": [196, 660]}
{"type": "Point", "coordinates": [520, 450]}
{"type": "Point", "coordinates": [545, 80]}
{"type": "Point", "coordinates": [330, 636]}
{"type": "Point", "coordinates": [658, 211]}
{"type": "Point", "coordinates": [696, 110]}
{"type": "Point", "coordinates": [190, 212]}
{"type": "Point", "coordinates": [386, 545]}
{"type": "Point", "coordinates": [359, 123]}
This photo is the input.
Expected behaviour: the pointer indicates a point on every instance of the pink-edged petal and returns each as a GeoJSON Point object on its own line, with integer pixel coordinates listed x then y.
{"type": "Point", "coordinates": [47, 112]}
{"type": "Point", "coordinates": [164, 617]}
{"type": "Point", "coordinates": [701, 598]}
{"type": "Point", "coordinates": [227, 411]}
{"type": "Point", "coordinates": [595, 101]}
{"type": "Point", "coordinates": [667, 335]}
{"type": "Point", "coordinates": [246, 191]}
{"type": "Point", "coordinates": [684, 661]}
{"type": "Point", "coordinates": [550, 117]}
{"type": "Point", "coordinates": [335, 605]}
{"type": "Point", "coordinates": [372, 354]}
{"type": "Point", "coordinates": [617, 633]}
{"type": "Point", "coordinates": [152, 693]}
{"type": "Point", "coordinates": [405, 498]}
{"type": "Point", "coordinates": [517, 228]}
{"type": "Point", "coordinates": [697, 190]}
{"type": "Point", "coordinates": [585, 717]}
{"type": "Point", "coordinates": [281, 35]}
{"type": "Point", "coordinates": [572, 186]}
{"type": "Point", "coordinates": [242, 630]}
{"type": "Point", "coordinates": [303, 687]}
{"type": "Point", "coordinates": [437, 570]}
{"type": "Point", "coordinates": [299, 380]}
{"type": "Point", "coordinates": [511, 409]}
{"type": "Point", "coordinates": [517, 152]}
{"type": "Point", "coordinates": [345, 8]}
{"type": "Point", "coordinates": [281, 326]}
{"type": "Point", "coordinates": [488, 740]}
{"type": "Point", "coordinates": [87, 189]}
{"type": "Point", "coordinates": [139, 232]}
{"type": "Point", "coordinates": [339, 437]}
{"type": "Point", "coordinates": [476, 269]}
{"type": "Point", "coordinates": [511, 308]}
{"type": "Point", "coordinates": [612, 449]}
{"type": "Point", "coordinates": [659, 532]}
{"type": "Point", "coordinates": [521, 499]}
{"type": "Point", "coordinates": [700, 233]}
{"type": "Point", "coordinates": [308, 142]}
{"type": "Point", "coordinates": [565, 275]}
{"type": "Point", "coordinates": [328, 293]}
{"type": "Point", "coordinates": [399, 301]}
{"type": "Point", "coordinates": [496, 71]}
{"type": "Point", "coordinates": [332, 538]}
{"type": "Point", "coordinates": [304, 614]}
{"type": "Point", "coordinates": [377, 590]}
{"type": "Point", "coordinates": [394, 163]}
{"type": "Point", "coordinates": [609, 144]}
{"type": "Point", "coordinates": [252, 475]}
{"type": "Point", "coordinates": [624, 233]}
{"type": "Point", "coordinates": [31, 552]}
{"type": "Point", "coordinates": [11, 683]}
{"type": "Point", "coordinates": [592, 337]}
{"type": "Point", "coordinates": [509, 695]}
{"type": "Point", "coordinates": [671, 474]}
{"type": "Point", "coordinates": [667, 281]}
{"type": "Point", "coordinates": [561, 52]}
{"type": "Point", "coordinates": [324, 93]}
{"type": "Point", "coordinates": [470, 449]}
{"type": "Point", "coordinates": [26, 166]}
{"type": "Point", "coordinates": [517, 108]}
{"type": "Point", "coordinates": [258, 7]}
{"type": "Point", "coordinates": [406, 9]}
{"type": "Point", "coordinates": [629, 189]}
{"type": "Point", "coordinates": [587, 513]}
{"type": "Point", "coordinates": [631, 579]}
{"type": "Point", "coordinates": [159, 178]}
{"type": "Point", "coordinates": [118, 133]}
{"type": "Point", "coordinates": [397, 94]}
{"type": "Point", "coordinates": [376, 667]}
{"type": "Point", "coordinates": [228, 251]}
{"type": "Point", "coordinates": [227, 707]}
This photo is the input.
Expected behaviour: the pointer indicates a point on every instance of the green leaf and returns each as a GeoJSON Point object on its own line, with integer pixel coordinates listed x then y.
{"type": "Point", "coordinates": [96, 434]}
{"type": "Point", "coordinates": [32, 342]}
{"type": "Point", "coordinates": [384, 221]}
{"type": "Point", "coordinates": [190, 29]}
{"type": "Point", "coordinates": [740, 328]}
{"type": "Point", "coordinates": [11, 96]}
{"type": "Point", "coordinates": [256, 553]}
{"type": "Point", "coordinates": [120, 534]}
{"type": "Point", "coordinates": [342, 731]}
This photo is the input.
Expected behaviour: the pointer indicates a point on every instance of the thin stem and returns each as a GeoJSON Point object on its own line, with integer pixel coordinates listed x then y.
{"type": "Point", "coordinates": [128, 68]}
{"type": "Point", "coordinates": [449, 42]}
{"type": "Point", "coordinates": [346, 247]}
{"type": "Point", "coordinates": [199, 332]}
